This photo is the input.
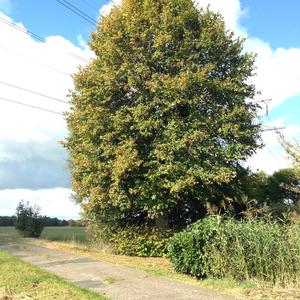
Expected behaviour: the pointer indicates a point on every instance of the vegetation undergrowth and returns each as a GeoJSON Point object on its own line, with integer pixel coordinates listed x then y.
{"type": "Point", "coordinates": [266, 251]}
{"type": "Point", "coordinates": [19, 280]}
{"type": "Point", "coordinates": [139, 241]}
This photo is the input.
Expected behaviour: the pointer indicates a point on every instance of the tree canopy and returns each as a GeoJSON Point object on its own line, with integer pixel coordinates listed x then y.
{"type": "Point", "coordinates": [159, 123]}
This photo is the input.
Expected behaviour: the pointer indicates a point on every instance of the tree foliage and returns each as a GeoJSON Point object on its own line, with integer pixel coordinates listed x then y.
{"type": "Point", "coordinates": [283, 187]}
{"type": "Point", "coordinates": [29, 222]}
{"type": "Point", "coordinates": [293, 150]}
{"type": "Point", "coordinates": [159, 123]}
{"type": "Point", "coordinates": [276, 195]}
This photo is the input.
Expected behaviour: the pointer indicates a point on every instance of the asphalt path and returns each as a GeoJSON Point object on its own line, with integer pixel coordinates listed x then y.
{"type": "Point", "coordinates": [112, 280]}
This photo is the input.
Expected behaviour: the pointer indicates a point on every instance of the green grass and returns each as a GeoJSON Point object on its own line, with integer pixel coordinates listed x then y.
{"type": "Point", "coordinates": [23, 281]}
{"type": "Point", "coordinates": [61, 234]}
{"type": "Point", "coordinates": [8, 231]}
{"type": "Point", "coordinates": [65, 234]}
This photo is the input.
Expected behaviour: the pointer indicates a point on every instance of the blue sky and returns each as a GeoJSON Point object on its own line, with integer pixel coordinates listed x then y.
{"type": "Point", "coordinates": [276, 22]}
{"type": "Point", "coordinates": [51, 18]}
{"type": "Point", "coordinates": [33, 165]}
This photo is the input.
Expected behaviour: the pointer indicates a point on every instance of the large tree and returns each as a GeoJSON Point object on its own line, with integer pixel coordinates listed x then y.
{"type": "Point", "coordinates": [159, 123]}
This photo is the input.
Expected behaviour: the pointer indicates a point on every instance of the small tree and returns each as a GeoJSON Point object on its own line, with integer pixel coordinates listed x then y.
{"type": "Point", "coordinates": [29, 222]}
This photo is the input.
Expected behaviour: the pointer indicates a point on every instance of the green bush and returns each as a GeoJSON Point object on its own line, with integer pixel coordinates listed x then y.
{"type": "Point", "coordinates": [29, 222]}
{"type": "Point", "coordinates": [186, 249]}
{"type": "Point", "coordinates": [241, 250]}
{"type": "Point", "coordinates": [140, 241]}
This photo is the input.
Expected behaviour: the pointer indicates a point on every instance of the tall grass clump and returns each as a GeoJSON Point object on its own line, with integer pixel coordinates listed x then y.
{"type": "Point", "coordinates": [241, 250]}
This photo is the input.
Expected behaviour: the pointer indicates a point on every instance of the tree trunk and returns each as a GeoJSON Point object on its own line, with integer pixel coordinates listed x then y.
{"type": "Point", "coordinates": [162, 221]}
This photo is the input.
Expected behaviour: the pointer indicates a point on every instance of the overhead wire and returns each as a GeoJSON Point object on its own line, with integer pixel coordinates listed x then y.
{"type": "Point", "coordinates": [38, 37]}
{"type": "Point", "coordinates": [10, 50]}
{"type": "Point", "coordinates": [42, 39]}
{"type": "Point", "coordinates": [277, 158]}
{"type": "Point", "coordinates": [34, 92]}
{"type": "Point", "coordinates": [281, 139]}
{"type": "Point", "coordinates": [28, 32]}
{"type": "Point", "coordinates": [30, 106]}
{"type": "Point", "coordinates": [77, 11]}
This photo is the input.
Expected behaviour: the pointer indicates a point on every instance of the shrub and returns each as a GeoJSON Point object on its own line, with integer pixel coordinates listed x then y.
{"type": "Point", "coordinates": [187, 248]}
{"type": "Point", "coordinates": [29, 222]}
{"type": "Point", "coordinates": [241, 250]}
{"type": "Point", "coordinates": [133, 240]}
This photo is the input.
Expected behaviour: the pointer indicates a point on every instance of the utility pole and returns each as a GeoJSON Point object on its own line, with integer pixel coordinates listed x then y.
{"type": "Point", "coordinates": [268, 128]}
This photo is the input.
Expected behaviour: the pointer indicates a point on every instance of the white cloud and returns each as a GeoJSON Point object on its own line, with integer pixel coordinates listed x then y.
{"type": "Point", "coordinates": [278, 71]}
{"type": "Point", "coordinates": [106, 8]}
{"type": "Point", "coordinates": [24, 63]}
{"type": "Point", "coordinates": [273, 157]}
{"type": "Point", "coordinates": [30, 155]}
{"type": "Point", "coordinates": [53, 202]}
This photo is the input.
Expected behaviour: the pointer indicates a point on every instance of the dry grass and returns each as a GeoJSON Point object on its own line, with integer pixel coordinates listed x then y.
{"type": "Point", "coordinates": [274, 293]}
{"type": "Point", "coordinates": [6, 294]}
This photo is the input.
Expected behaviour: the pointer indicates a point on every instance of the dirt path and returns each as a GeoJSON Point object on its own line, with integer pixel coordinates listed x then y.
{"type": "Point", "coordinates": [116, 282]}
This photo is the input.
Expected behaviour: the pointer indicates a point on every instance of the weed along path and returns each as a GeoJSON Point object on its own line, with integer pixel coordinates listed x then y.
{"type": "Point", "coordinates": [111, 280]}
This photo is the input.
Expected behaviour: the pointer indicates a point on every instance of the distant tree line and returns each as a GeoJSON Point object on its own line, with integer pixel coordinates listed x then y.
{"type": "Point", "coordinates": [55, 222]}
{"type": "Point", "coordinates": [7, 221]}
{"type": "Point", "coordinates": [47, 221]}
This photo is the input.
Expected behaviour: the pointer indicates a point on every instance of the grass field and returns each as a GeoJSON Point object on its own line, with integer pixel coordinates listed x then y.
{"type": "Point", "coordinates": [19, 280]}
{"type": "Point", "coordinates": [63, 234]}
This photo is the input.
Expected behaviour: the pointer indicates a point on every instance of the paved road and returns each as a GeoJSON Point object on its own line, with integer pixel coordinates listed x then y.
{"type": "Point", "coordinates": [116, 282]}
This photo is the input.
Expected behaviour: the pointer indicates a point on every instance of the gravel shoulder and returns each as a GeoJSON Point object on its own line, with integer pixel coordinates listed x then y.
{"type": "Point", "coordinates": [112, 280]}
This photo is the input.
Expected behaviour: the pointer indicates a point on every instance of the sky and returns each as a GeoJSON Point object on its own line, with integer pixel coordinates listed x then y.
{"type": "Point", "coordinates": [34, 165]}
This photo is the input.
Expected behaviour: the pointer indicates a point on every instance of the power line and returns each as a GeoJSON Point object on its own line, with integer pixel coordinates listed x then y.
{"type": "Point", "coordinates": [31, 106]}
{"type": "Point", "coordinates": [280, 137]}
{"type": "Point", "coordinates": [38, 37]}
{"type": "Point", "coordinates": [77, 11]}
{"type": "Point", "coordinates": [34, 92]}
{"type": "Point", "coordinates": [10, 50]}
{"type": "Point", "coordinates": [32, 34]}
{"type": "Point", "coordinates": [266, 102]}
{"type": "Point", "coordinates": [277, 158]}
{"type": "Point", "coordinates": [276, 129]}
